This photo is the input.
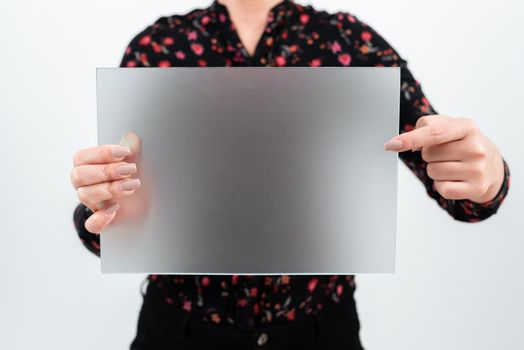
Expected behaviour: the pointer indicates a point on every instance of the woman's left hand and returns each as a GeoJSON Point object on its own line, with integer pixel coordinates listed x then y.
{"type": "Point", "coordinates": [463, 163]}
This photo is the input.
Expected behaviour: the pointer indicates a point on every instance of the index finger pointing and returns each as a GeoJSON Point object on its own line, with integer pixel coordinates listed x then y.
{"type": "Point", "coordinates": [436, 133]}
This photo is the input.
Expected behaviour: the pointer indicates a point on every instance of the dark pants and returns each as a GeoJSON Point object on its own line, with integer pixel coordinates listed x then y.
{"type": "Point", "coordinates": [164, 326]}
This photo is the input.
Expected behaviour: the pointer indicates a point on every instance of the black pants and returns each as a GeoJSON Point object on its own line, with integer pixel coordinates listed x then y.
{"type": "Point", "coordinates": [164, 326]}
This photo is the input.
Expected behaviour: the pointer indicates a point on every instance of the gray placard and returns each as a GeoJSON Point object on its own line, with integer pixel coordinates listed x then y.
{"type": "Point", "coordinates": [254, 170]}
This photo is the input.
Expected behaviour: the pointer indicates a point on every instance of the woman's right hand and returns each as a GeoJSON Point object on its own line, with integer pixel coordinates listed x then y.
{"type": "Point", "coordinates": [103, 174]}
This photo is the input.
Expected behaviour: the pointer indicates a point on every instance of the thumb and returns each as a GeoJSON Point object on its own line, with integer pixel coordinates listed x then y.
{"type": "Point", "coordinates": [98, 221]}
{"type": "Point", "coordinates": [133, 141]}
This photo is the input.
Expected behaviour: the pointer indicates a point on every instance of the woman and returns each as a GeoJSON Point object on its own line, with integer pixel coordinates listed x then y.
{"type": "Point", "coordinates": [459, 167]}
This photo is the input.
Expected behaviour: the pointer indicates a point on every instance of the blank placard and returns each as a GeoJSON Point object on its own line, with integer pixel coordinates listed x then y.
{"type": "Point", "coordinates": [254, 170]}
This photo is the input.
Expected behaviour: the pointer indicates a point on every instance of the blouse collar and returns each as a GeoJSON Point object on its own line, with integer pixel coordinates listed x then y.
{"type": "Point", "coordinates": [278, 13]}
{"type": "Point", "coordinates": [278, 16]}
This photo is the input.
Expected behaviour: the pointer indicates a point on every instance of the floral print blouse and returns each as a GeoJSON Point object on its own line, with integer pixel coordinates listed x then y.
{"type": "Point", "coordinates": [295, 35]}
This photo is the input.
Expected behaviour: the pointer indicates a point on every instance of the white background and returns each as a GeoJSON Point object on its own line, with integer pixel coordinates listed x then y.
{"type": "Point", "coordinates": [457, 286]}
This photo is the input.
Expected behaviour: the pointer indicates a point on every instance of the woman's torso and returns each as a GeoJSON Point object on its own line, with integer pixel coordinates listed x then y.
{"type": "Point", "coordinates": [295, 35]}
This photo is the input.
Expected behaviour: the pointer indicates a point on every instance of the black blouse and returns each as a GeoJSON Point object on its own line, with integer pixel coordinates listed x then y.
{"type": "Point", "coordinates": [295, 35]}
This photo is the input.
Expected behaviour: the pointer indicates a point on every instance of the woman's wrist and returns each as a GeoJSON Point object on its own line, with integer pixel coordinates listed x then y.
{"type": "Point", "coordinates": [502, 190]}
{"type": "Point", "coordinates": [496, 185]}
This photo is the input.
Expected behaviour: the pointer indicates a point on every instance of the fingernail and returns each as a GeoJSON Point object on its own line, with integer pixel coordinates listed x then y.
{"type": "Point", "coordinates": [111, 209]}
{"type": "Point", "coordinates": [100, 205]}
{"type": "Point", "coordinates": [127, 140]}
{"type": "Point", "coordinates": [126, 169]}
{"type": "Point", "coordinates": [129, 185]}
{"type": "Point", "coordinates": [393, 145]}
{"type": "Point", "coordinates": [120, 151]}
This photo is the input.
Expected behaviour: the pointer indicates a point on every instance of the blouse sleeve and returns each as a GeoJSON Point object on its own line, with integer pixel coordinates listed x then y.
{"type": "Point", "coordinates": [371, 49]}
{"type": "Point", "coordinates": [90, 240]}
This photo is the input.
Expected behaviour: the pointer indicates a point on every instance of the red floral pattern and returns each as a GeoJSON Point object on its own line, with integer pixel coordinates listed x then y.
{"type": "Point", "coordinates": [295, 35]}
